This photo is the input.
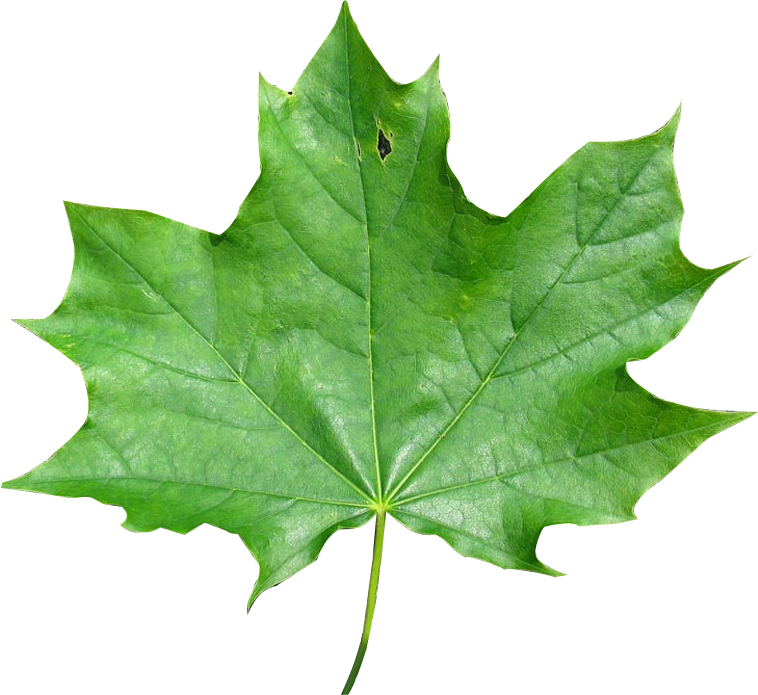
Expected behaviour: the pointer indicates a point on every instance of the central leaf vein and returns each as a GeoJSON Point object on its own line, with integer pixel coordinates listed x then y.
{"type": "Point", "coordinates": [369, 279]}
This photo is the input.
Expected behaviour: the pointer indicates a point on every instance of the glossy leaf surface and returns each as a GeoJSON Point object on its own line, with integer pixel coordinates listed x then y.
{"type": "Point", "coordinates": [364, 339]}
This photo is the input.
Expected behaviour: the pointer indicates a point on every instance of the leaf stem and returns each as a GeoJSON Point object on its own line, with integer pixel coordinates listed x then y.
{"type": "Point", "coordinates": [373, 586]}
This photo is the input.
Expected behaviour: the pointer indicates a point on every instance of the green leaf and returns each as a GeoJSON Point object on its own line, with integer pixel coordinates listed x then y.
{"type": "Point", "coordinates": [363, 340]}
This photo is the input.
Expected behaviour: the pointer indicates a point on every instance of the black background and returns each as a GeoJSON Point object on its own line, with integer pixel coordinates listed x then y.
{"type": "Point", "coordinates": [161, 116]}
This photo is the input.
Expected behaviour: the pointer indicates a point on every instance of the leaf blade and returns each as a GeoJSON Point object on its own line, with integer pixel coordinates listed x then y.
{"type": "Point", "coordinates": [364, 338]}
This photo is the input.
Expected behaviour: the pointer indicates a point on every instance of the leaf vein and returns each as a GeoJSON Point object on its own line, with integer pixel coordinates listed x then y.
{"type": "Point", "coordinates": [308, 257]}
{"type": "Point", "coordinates": [307, 167]}
{"type": "Point", "coordinates": [212, 486]}
{"type": "Point", "coordinates": [546, 464]}
{"type": "Point", "coordinates": [233, 371]}
{"type": "Point", "coordinates": [607, 329]}
{"type": "Point", "coordinates": [370, 336]}
{"type": "Point", "coordinates": [513, 340]}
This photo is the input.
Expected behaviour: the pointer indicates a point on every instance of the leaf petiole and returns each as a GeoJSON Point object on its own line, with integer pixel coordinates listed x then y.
{"type": "Point", "coordinates": [373, 586]}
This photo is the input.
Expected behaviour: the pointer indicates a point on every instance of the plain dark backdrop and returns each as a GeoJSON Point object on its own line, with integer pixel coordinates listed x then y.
{"type": "Point", "coordinates": [162, 117]}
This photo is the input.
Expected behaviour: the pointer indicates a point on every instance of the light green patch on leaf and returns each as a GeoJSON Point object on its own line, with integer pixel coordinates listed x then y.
{"type": "Point", "coordinates": [363, 339]}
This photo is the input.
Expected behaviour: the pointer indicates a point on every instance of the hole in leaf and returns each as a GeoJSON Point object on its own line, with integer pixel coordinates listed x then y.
{"type": "Point", "coordinates": [383, 145]}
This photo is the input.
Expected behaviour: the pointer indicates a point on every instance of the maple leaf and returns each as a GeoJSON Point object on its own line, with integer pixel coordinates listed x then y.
{"type": "Point", "coordinates": [363, 340]}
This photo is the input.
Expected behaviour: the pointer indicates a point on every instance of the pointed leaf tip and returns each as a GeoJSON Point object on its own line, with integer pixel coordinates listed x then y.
{"type": "Point", "coordinates": [727, 267]}
{"type": "Point", "coordinates": [28, 324]}
{"type": "Point", "coordinates": [668, 131]}
{"type": "Point", "coordinates": [431, 75]}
